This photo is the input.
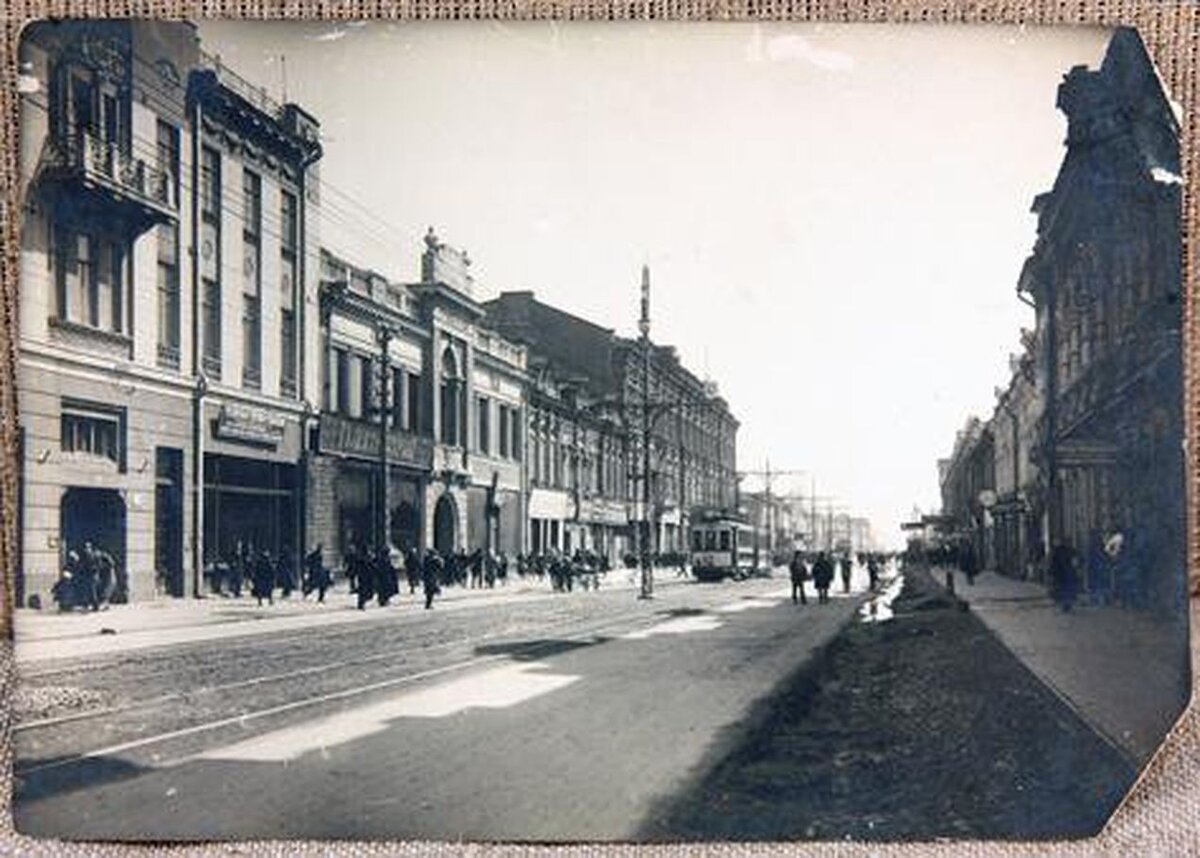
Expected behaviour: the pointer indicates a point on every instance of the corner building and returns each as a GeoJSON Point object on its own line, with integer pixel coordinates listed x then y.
{"type": "Point", "coordinates": [164, 281]}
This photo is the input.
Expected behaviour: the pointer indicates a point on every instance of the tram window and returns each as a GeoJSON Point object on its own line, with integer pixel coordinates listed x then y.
{"type": "Point", "coordinates": [697, 540]}
{"type": "Point", "coordinates": [724, 540]}
{"type": "Point", "coordinates": [710, 540]}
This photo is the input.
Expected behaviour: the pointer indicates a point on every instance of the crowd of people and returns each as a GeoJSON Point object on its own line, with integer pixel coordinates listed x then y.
{"type": "Point", "coordinates": [379, 573]}
{"type": "Point", "coordinates": [822, 566]}
{"type": "Point", "coordinates": [91, 577]}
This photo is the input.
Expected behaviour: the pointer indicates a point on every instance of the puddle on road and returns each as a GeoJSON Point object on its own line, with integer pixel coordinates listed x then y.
{"type": "Point", "coordinates": [879, 608]}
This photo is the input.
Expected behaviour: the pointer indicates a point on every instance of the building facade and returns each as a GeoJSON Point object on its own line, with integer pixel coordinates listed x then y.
{"type": "Point", "coordinates": [1105, 277]}
{"type": "Point", "coordinates": [692, 433]}
{"type": "Point", "coordinates": [163, 293]}
{"type": "Point", "coordinates": [416, 389]}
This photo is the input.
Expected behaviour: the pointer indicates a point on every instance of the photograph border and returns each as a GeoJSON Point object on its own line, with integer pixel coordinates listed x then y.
{"type": "Point", "coordinates": [1161, 814]}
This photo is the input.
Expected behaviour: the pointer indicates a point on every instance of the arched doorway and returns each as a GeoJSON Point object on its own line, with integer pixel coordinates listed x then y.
{"type": "Point", "coordinates": [445, 525]}
{"type": "Point", "coordinates": [404, 526]}
{"type": "Point", "coordinates": [96, 516]}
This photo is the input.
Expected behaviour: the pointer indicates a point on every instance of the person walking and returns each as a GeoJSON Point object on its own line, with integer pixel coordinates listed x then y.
{"type": "Point", "coordinates": [873, 572]}
{"type": "Point", "coordinates": [263, 585]}
{"type": "Point", "coordinates": [1064, 581]}
{"type": "Point", "coordinates": [822, 576]}
{"type": "Point", "coordinates": [799, 572]}
{"type": "Point", "coordinates": [385, 576]}
{"type": "Point", "coordinates": [431, 572]}
{"type": "Point", "coordinates": [412, 570]}
{"type": "Point", "coordinates": [316, 576]}
{"type": "Point", "coordinates": [970, 563]}
{"type": "Point", "coordinates": [364, 574]}
{"type": "Point", "coordinates": [847, 566]}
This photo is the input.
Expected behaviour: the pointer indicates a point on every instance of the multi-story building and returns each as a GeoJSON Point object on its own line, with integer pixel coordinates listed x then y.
{"type": "Point", "coordinates": [968, 487]}
{"type": "Point", "coordinates": [1017, 512]}
{"type": "Point", "coordinates": [415, 388]}
{"type": "Point", "coordinates": [164, 280]}
{"type": "Point", "coordinates": [693, 434]}
{"type": "Point", "coordinates": [1105, 276]}
{"type": "Point", "coordinates": [373, 418]}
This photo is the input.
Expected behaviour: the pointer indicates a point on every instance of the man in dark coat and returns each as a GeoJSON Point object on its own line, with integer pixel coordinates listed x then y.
{"type": "Point", "coordinates": [1064, 580]}
{"type": "Point", "coordinates": [822, 576]}
{"type": "Point", "coordinates": [385, 576]}
{"type": "Point", "coordinates": [364, 577]}
{"type": "Point", "coordinates": [431, 573]}
{"type": "Point", "coordinates": [412, 570]}
{"type": "Point", "coordinates": [799, 570]}
{"type": "Point", "coordinates": [316, 576]}
{"type": "Point", "coordinates": [264, 578]}
{"type": "Point", "coordinates": [847, 566]}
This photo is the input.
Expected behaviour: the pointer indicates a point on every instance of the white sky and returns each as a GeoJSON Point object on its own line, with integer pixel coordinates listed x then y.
{"type": "Point", "coordinates": [834, 216]}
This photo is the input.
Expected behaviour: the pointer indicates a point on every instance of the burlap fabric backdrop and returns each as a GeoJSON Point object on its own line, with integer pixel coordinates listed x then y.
{"type": "Point", "coordinates": [1162, 814]}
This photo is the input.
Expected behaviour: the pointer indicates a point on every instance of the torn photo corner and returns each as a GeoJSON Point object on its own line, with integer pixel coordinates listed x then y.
{"type": "Point", "coordinates": [595, 432]}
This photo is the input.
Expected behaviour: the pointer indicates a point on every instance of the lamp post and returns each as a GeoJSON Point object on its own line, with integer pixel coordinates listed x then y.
{"type": "Point", "coordinates": [647, 591]}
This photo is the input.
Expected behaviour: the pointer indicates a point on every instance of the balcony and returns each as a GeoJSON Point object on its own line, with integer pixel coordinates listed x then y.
{"type": "Point", "coordinates": [100, 181]}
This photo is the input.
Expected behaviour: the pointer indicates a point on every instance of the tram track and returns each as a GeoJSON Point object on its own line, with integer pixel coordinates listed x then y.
{"type": "Point", "coordinates": [290, 696]}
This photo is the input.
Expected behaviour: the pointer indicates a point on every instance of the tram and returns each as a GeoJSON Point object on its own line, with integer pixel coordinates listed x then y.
{"type": "Point", "coordinates": [726, 547]}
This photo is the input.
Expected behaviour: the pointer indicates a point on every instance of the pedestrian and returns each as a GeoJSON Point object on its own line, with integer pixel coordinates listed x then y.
{"type": "Point", "coordinates": [799, 571]}
{"type": "Point", "coordinates": [970, 563]}
{"type": "Point", "coordinates": [1064, 580]}
{"type": "Point", "coordinates": [239, 569]}
{"type": "Point", "coordinates": [263, 583]}
{"type": "Point", "coordinates": [431, 572]}
{"type": "Point", "coordinates": [285, 573]}
{"type": "Point", "coordinates": [873, 572]}
{"type": "Point", "coordinates": [316, 576]}
{"type": "Point", "coordinates": [351, 564]}
{"type": "Point", "coordinates": [847, 566]}
{"type": "Point", "coordinates": [385, 576]}
{"type": "Point", "coordinates": [822, 573]}
{"type": "Point", "coordinates": [364, 576]}
{"type": "Point", "coordinates": [412, 570]}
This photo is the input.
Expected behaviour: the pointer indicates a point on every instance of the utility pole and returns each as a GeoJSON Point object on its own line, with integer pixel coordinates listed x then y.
{"type": "Point", "coordinates": [647, 591]}
{"type": "Point", "coordinates": [384, 336]}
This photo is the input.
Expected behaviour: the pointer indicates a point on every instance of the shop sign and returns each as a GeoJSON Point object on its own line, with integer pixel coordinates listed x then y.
{"type": "Point", "coordinates": [250, 426]}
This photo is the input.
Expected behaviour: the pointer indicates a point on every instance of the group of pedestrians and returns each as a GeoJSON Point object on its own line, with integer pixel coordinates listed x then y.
{"type": "Point", "coordinates": [584, 568]}
{"type": "Point", "coordinates": [822, 567]}
{"type": "Point", "coordinates": [91, 577]}
{"type": "Point", "coordinates": [262, 570]}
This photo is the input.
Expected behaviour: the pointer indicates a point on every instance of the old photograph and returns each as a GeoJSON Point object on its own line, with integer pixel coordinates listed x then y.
{"type": "Point", "coordinates": [595, 432]}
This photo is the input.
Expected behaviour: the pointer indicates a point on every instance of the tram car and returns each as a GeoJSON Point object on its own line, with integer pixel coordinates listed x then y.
{"type": "Point", "coordinates": [726, 548]}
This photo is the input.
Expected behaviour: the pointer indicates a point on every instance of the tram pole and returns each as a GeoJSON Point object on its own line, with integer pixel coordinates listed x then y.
{"type": "Point", "coordinates": [647, 591]}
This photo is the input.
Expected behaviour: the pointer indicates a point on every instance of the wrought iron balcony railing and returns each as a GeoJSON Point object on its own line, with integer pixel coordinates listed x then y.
{"type": "Point", "coordinates": [103, 163]}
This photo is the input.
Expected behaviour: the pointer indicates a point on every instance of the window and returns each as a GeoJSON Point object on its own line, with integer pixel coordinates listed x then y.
{"type": "Point", "coordinates": [725, 543]}
{"type": "Point", "coordinates": [366, 396]}
{"type": "Point", "coordinates": [167, 185]}
{"type": "Point", "coordinates": [90, 280]}
{"type": "Point", "coordinates": [251, 280]}
{"type": "Point", "coordinates": [210, 258]}
{"type": "Point", "coordinates": [210, 184]}
{"type": "Point", "coordinates": [515, 426]}
{"type": "Point", "coordinates": [505, 440]}
{"type": "Point", "coordinates": [168, 295]}
{"type": "Point", "coordinates": [342, 369]}
{"type": "Point", "coordinates": [398, 385]}
{"type": "Point", "coordinates": [94, 431]}
{"type": "Point", "coordinates": [413, 403]}
{"type": "Point", "coordinates": [484, 417]}
{"type": "Point", "coordinates": [287, 289]}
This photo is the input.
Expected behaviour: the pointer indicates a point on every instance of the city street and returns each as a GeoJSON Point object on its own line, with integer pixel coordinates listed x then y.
{"type": "Point", "coordinates": [543, 717]}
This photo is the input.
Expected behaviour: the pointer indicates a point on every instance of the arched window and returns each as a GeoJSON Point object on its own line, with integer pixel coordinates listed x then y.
{"type": "Point", "coordinates": [451, 399]}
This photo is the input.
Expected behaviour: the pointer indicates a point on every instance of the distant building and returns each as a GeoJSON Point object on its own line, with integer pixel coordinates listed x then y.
{"type": "Point", "coordinates": [968, 483]}
{"type": "Point", "coordinates": [1105, 276]}
{"type": "Point", "coordinates": [1018, 509]}
{"type": "Point", "coordinates": [693, 433]}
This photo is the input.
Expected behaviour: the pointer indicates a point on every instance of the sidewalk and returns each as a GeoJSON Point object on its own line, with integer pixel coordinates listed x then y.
{"type": "Point", "coordinates": [50, 634]}
{"type": "Point", "coordinates": [1124, 672]}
